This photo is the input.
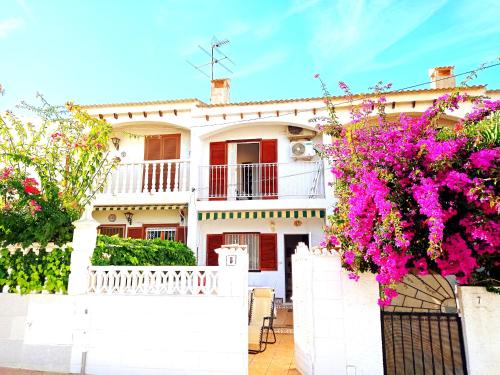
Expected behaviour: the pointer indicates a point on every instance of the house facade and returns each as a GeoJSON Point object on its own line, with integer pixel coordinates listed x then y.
{"type": "Point", "coordinates": [222, 173]}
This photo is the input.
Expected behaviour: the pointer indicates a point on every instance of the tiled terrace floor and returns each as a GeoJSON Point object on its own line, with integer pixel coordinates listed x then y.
{"type": "Point", "coordinates": [277, 359]}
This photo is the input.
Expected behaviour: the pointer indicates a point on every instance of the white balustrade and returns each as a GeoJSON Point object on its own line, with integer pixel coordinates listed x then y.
{"type": "Point", "coordinates": [159, 280]}
{"type": "Point", "coordinates": [262, 181]}
{"type": "Point", "coordinates": [150, 176]}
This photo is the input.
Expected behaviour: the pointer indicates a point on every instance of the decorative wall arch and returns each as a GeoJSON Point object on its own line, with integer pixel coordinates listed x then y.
{"type": "Point", "coordinates": [214, 130]}
{"type": "Point", "coordinates": [431, 293]}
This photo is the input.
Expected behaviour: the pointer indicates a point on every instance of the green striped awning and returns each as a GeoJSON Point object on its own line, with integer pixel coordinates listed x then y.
{"type": "Point", "coordinates": [156, 207]}
{"type": "Point", "coordinates": [281, 214]}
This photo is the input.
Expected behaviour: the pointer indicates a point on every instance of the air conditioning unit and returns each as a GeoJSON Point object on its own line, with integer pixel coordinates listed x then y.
{"type": "Point", "coordinates": [296, 133]}
{"type": "Point", "coordinates": [302, 149]}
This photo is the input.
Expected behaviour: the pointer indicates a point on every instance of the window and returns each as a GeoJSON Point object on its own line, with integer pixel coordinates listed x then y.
{"type": "Point", "coordinates": [252, 241]}
{"type": "Point", "coordinates": [112, 230]}
{"type": "Point", "coordinates": [165, 233]}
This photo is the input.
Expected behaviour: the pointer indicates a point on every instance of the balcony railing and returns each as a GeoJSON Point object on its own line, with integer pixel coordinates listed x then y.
{"type": "Point", "coordinates": [155, 176]}
{"type": "Point", "coordinates": [262, 181]}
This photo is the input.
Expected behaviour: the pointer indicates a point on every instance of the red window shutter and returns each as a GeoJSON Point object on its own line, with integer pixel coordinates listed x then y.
{"type": "Point", "coordinates": [268, 252]}
{"type": "Point", "coordinates": [181, 234]}
{"type": "Point", "coordinates": [135, 232]}
{"type": "Point", "coordinates": [214, 241]}
{"type": "Point", "coordinates": [218, 171]}
{"type": "Point", "coordinates": [269, 173]}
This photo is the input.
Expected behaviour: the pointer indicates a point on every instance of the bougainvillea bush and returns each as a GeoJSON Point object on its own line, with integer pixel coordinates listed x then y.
{"type": "Point", "coordinates": [416, 196]}
{"type": "Point", "coordinates": [50, 169]}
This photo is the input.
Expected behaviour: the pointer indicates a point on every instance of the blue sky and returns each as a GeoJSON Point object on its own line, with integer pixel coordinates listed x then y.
{"type": "Point", "coordinates": [115, 51]}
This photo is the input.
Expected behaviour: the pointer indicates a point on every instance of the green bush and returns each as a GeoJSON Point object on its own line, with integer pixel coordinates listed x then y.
{"type": "Point", "coordinates": [116, 251]}
{"type": "Point", "coordinates": [35, 268]}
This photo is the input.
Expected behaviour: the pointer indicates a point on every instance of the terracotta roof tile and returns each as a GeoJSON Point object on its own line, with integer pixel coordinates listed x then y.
{"type": "Point", "coordinates": [199, 103]}
{"type": "Point", "coordinates": [154, 102]}
{"type": "Point", "coordinates": [320, 98]}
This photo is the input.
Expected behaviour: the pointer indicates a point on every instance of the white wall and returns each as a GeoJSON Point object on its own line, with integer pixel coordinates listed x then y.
{"type": "Point", "coordinates": [337, 327]}
{"type": "Point", "coordinates": [140, 217]}
{"type": "Point", "coordinates": [36, 331]}
{"type": "Point", "coordinates": [273, 279]}
{"type": "Point", "coordinates": [481, 328]}
{"type": "Point", "coordinates": [253, 131]}
{"type": "Point", "coordinates": [132, 140]}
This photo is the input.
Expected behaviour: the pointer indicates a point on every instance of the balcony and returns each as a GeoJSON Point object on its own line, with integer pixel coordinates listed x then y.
{"type": "Point", "coordinates": [262, 181]}
{"type": "Point", "coordinates": [147, 182]}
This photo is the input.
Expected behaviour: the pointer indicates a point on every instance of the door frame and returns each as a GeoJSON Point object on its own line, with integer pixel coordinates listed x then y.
{"type": "Point", "coordinates": [308, 234]}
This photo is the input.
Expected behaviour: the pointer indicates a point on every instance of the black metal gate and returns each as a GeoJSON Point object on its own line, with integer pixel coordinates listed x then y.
{"type": "Point", "coordinates": [422, 343]}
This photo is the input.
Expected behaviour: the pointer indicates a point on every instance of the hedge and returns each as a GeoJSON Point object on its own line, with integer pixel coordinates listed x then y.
{"type": "Point", "coordinates": [116, 251]}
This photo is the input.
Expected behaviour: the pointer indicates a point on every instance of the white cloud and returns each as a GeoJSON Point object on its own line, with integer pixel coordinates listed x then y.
{"type": "Point", "coordinates": [9, 25]}
{"type": "Point", "coordinates": [350, 34]}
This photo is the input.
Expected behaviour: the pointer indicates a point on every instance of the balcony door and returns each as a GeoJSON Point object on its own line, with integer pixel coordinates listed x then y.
{"type": "Point", "coordinates": [161, 147]}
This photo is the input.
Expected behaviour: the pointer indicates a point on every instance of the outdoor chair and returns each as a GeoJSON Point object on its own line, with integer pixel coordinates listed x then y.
{"type": "Point", "coordinates": [261, 320]}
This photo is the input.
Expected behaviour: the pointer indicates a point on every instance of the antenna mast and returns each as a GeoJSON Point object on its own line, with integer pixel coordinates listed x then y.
{"type": "Point", "coordinates": [216, 56]}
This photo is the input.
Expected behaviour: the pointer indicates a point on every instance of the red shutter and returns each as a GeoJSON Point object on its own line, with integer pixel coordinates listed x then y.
{"type": "Point", "coordinates": [268, 252]}
{"type": "Point", "coordinates": [214, 241]}
{"type": "Point", "coordinates": [269, 173]}
{"type": "Point", "coordinates": [135, 232]}
{"type": "Point", "coordinates": [181, 234]}
{"type": "Point", "coordinates": [218, 171]}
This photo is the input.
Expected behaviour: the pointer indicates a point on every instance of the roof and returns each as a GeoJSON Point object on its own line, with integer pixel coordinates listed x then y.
{"type": "Point", "coordinates": [320, 98]}
{"type": "Point", "coordinates": [275, 101]}
{"type": "Point", "coordinates": [154, 102]}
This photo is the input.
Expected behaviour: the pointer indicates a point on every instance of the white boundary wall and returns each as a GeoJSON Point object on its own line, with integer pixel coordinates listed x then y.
{"type": "Point", "coordinates": [336, 320]}
{"type": "Point", "coordinates": [195, 333]}
{"type": "Point", "coordinates": [481, 327]}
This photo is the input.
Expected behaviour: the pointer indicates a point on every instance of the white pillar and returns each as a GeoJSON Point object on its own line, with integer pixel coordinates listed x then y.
{"type": "Point", "coordinates": [233, 276]}
{"type": "Point", "coordinates": [329, 180]}
{"type": "Point", "coordinates": [84, 241]}
{"type": "Point", "coordinates": [338, 329]}
{"type": "Point", "coordinates": [194, 170]}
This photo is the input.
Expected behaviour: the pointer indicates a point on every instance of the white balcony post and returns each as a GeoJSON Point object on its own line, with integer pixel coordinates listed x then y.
{"type": "Point", "coordinates": [153, 178]}
{"type": "Point", "coordinates": [162, 165]}
{"type": "Point", "coordinates": [176, 176]}
{"type": "Point", "coordinates": [146, 178]}
{"type": "Point", "coordinates": [169, 177]}
{"type": "Point", "coordinates": [84, 241]}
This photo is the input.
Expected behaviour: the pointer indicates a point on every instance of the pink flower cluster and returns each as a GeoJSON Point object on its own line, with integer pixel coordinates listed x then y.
{"type": "Point", "coordinates": [412, 200]}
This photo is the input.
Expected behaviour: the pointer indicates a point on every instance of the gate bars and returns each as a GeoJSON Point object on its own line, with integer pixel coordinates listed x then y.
{"type": "Point", "coordinates": [422, 343]}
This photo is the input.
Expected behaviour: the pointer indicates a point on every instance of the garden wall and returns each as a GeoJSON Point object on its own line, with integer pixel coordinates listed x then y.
{"type": "Point", "coordinates": [190, 326]}
{"type": "Point", "coordinates": [336, 320]}
{"type": "Point", "coordinates": [481, 327]}
{"type": "Point", "coordinates": [36, 331]}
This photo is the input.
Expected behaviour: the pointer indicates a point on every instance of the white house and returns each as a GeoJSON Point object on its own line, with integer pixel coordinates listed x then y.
{"type": "Point", "coordinates": [219, 173]}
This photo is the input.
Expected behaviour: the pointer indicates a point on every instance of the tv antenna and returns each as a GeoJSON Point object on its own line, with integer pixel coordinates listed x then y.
{"type": "Point", "coordinates": [216, 57]}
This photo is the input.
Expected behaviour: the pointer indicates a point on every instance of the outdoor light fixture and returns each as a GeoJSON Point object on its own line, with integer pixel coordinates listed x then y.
{"type": "Point", "coordinates": [128, 216]}
{"type": "Point", "coordinates": [116, 142]}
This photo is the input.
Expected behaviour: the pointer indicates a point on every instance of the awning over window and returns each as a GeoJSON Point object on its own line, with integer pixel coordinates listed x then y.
{"type": "Point", "coordinates": [282, 214]}
{"type": "Point", "coordinates": [157, 207]}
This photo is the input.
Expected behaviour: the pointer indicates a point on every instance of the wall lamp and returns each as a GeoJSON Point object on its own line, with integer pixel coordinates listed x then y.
{"type": "Point", "coordinates": [116, 142]}
{"type": "Point", "coordinates": [128, 216]}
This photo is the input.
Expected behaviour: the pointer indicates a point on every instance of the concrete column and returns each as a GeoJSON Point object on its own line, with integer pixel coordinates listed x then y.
{"type": "Point", "coordinates": [233, 277]}
{"type": "Point", "coordinates": [329, 180]}
{"type": "Point", "coordinates": [194, 172]}
{"type": "Point", "coordinates": [337, 326]}
{"type": "Point", "coordinates": [84, 241]}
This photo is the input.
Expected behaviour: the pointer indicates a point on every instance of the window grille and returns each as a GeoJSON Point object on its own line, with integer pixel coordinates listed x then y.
{"type": "Point", "coordinates": [249, 239]}
{"type": "Point", "coordinates": [165, 233]}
